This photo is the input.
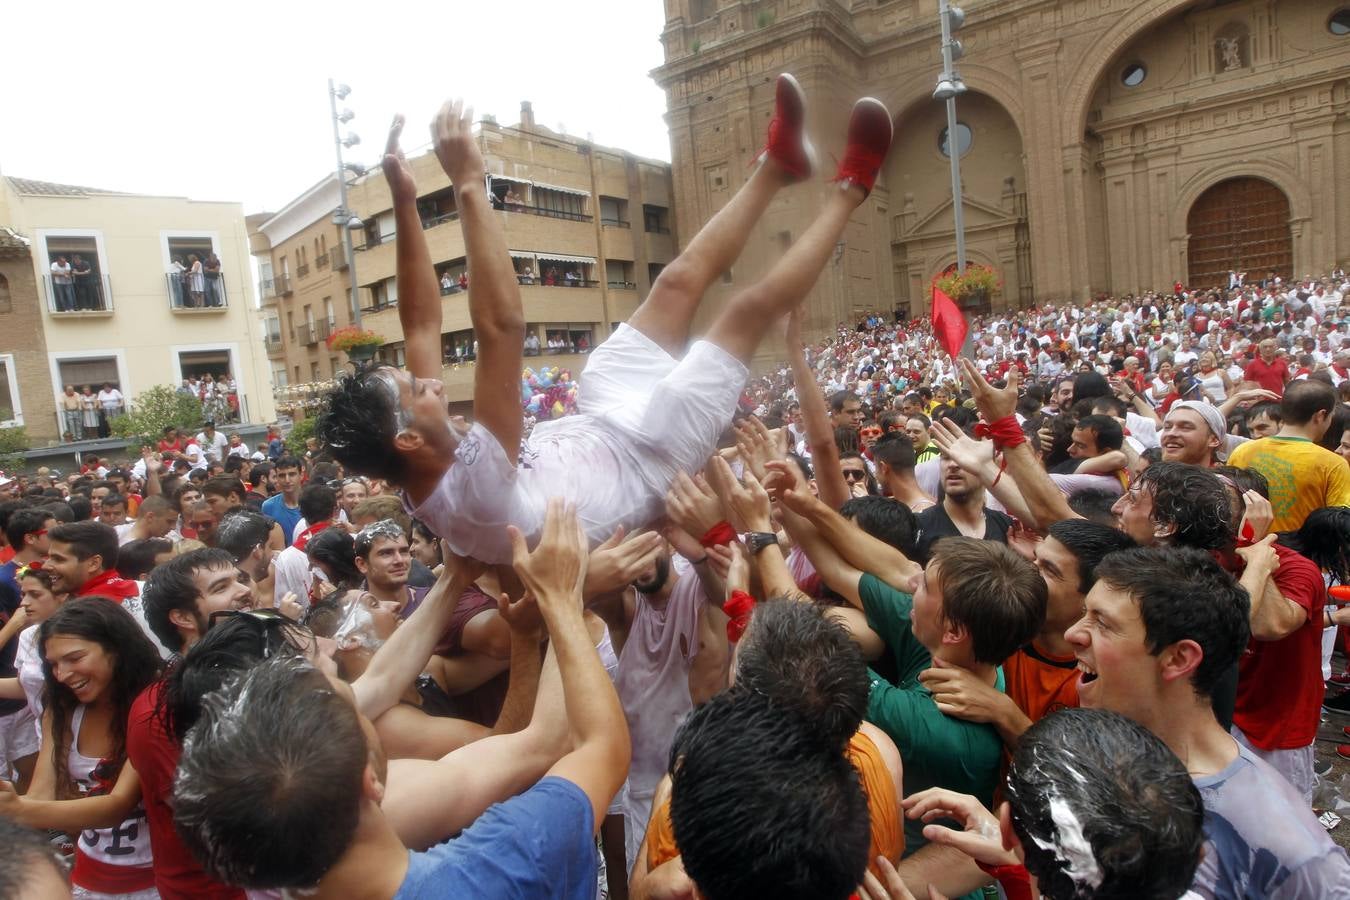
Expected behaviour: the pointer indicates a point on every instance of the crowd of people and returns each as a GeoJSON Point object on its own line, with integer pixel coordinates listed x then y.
{"type": "Point", "coordinates": [219, 397]}
{"type": "Point", "coordinates": [196, 283]}
{"type": "Point", "coordinates": [1049, 617]}
{"type": "Point", "coordinates": [76, 286]}
{"type": "Point", "coordinates": [86, 414]}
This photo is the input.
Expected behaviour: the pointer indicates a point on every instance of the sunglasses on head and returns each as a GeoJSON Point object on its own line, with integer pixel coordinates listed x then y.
{"type": "Point", "coordinates": [273, 629]}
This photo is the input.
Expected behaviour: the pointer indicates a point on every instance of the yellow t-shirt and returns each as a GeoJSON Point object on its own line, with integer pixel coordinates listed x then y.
{"type": "Point", "coordinates": [1302, 477]}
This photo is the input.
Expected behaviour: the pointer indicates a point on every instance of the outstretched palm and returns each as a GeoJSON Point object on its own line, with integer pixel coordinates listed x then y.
{"type": "Point", "coordinates": [396, 170]}
{"type": "Point", "coordinates": [457, 151]}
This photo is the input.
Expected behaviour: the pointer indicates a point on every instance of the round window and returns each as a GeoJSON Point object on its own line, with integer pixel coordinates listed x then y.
{"type": "Point", "coordinates": [963, 139]}
{"type": "Point", "coordinates": [1133, 75]}
{"type": "Point", "coordinates": [1339, 23]}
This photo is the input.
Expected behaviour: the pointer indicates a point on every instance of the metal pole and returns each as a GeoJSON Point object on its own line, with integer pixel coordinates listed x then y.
{"type": "Point", "coordinates": [342, 203]}
{"type": "Point", "coordinates": [953, 142]}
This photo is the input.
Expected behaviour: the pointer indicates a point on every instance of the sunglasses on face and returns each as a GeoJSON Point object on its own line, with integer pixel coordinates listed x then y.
{"type": "Point", "coordinates": [273, 629]}
{"type": "Point", "coordinates": [854, 475]}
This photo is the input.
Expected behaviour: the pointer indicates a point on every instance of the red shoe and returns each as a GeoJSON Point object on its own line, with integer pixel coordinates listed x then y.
{"type": "Point", "coordinates": [1343, 751]}
{"type": "Point", "coordinates": [787, 144]}
{"type": "Point", "coordinates": [869, 138]}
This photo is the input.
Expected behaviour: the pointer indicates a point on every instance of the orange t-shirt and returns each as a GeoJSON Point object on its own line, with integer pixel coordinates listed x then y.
{"type": "Point", "coordinates": [888, 833]}
{"type": "Point", "coordinates": [1040, 683]}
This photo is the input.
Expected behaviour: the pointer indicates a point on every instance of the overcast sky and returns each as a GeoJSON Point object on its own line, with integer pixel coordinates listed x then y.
{"type": "Point", "coordinates": [229, 101]}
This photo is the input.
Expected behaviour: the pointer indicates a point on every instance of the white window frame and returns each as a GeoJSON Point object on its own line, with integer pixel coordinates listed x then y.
{"type": "Point", "coordinates": [232, 349]}
{"type": "Point", "coordinates": [15, 395]}
{"type": "Point", "coordinates": [43, 262]}
{"type": "Point", "coordinates": [56, 357]}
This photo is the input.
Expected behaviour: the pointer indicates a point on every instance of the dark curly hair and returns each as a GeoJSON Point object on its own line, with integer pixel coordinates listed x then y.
{"type": "Point", "coordinates": [1194, 500]}
{"type": "Point", "coordinates": [358, 425]}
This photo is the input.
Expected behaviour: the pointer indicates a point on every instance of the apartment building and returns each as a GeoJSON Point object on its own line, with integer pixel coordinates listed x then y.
{"type": "Point", "coordinates": [124, 314]}
{"type": "Point", "coordinates": [589, 228]}
{"type": "Point", "coordinates": [304, 286]}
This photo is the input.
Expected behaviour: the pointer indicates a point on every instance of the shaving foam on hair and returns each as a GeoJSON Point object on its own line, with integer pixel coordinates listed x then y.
{"type": "Point", "coordinates": [1071, 847]}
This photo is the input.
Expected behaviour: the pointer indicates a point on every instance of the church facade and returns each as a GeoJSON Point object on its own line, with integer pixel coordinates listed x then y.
{"type": "Point", "coordinates": [1107, 146]}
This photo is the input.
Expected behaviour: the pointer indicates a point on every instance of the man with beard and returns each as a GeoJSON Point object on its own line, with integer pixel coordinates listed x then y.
{"type": "Point", "coordinates": [661, 674]}
{"type": "Point", "coordinates": [961, 513]}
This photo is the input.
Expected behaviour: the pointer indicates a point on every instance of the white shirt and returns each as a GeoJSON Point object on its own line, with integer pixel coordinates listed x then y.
{"type": "Point", "coordinates": [215, 447]}
{"type": "Point", "coordinates": [111, 399]}
{"type": "Point", "coordinates": [293, 575]}
{"type": "Point", "coordinates": [60, 273]}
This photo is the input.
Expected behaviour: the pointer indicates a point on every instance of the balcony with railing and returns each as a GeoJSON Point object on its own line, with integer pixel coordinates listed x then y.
{"type": "Point", "coordinates": [321, 261]}
{"type": "Point", "coordinates": [302, 270]}
{"type": "Point", "coordinates": [274, 345]}
{"type": "Point", "coordinates": [267, 291]}
{"type": "Point", "coordinates": [283, 283]}
{"type": "Point", "coordinates": [338, 258]}
{"type": "Point", "coordinates": [83, 296]}
{"type": "Point", "coordinates": [204, 293]}
{"type": "Point", "coordinates": [307, 335]}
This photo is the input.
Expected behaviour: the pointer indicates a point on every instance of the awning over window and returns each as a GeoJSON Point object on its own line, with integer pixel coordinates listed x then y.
{"type": "Point", "coordinates": [510, 178]}
{"type": "Point", "coordinates": [564, 190]}
{"type": "Point", "coordinates": [564, 258]}
{"type": "Point", "coordinates": [520, 254]}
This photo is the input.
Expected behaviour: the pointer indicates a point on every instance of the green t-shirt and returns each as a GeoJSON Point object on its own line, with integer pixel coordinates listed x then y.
{"type": "Point", "coordinates": [937, 750]}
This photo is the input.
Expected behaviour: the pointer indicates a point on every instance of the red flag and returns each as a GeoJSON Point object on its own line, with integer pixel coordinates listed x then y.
{"type": "Point", "coordinates": [949, 326]}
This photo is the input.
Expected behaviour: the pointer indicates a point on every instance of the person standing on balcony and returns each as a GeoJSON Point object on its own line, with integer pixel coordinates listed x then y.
{"type": "Point", "coordinates": [86, 290]}
{"type": "Point", "coordinates": [214, 295]}
{"type": "Point", "coordinates": [447, 283]}
{"type": "Point", "coordinates": [176, 270]}
{"type": "Point", "coordinates": [62, 285]}
{"type": "Point", "coordinates": [196, 282]}
{"type": "Point", "coordinates": [89, 406]}
{"type": "Point", "coordinates": [110, 401]}
{"type": "Point", "coordinates": [70, 413]}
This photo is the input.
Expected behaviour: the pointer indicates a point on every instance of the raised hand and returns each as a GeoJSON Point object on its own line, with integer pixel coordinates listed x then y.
{"type": "Point", "coordinates": [692, 505]}
{"type": "Point", "coordinates": [749, 503]}
{"type": "Point", "coordinates": [757, 446]}
{"type": "Point", "coordinates": [993, 403]}
{"type": "Point", "coordinates": [615, 563]}
{"type": "Point", "coordinates": [555, 569]}
{"type": "Point", "coordinates": [1256, 517]}
{"type": "Point", "coordinates": [457, 151]}
{"type": "Point", "coordinates": [396, 170]}
{"type": "Point", "coordinates": [966, 452]}
{"type": "Point", "coordinates": [521, 616]}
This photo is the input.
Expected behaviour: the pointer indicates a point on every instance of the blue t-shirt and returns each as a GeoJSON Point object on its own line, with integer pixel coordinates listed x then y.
{"type": "Point", "coordinates": [538, 844]}
{"type": "Point", "coordinates": [9, 603]}
{"type": "Point", "coordinates": [288, 517]}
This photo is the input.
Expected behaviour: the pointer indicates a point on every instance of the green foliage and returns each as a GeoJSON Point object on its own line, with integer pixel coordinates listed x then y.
{"type": "Point", "coordinates": [696, 46]}
{"type": "Point", "coordinates": [764, 19]}
{"type": "Point", "coordinates": [13, 443]}
{"type": "Point", "coordinates": [300, 431]}
{"type": "Point", "coordinates": [153, 411]}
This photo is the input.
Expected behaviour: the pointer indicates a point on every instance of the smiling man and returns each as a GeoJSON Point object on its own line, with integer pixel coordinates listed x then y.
{"type": "Point", "coordinates": [1161, 626]}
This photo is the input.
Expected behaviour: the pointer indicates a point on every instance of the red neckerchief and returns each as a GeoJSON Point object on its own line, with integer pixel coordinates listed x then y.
{"type": "Point", "coordinates": [108, 584]}
{"type": "Point", "coordinates": [303, 537]}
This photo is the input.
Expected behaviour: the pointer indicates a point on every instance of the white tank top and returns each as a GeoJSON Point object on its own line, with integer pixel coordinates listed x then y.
{"type": "Point", "coordinates": [129, 843]}
{"type": "Point", "coordinates": [1212, 384]}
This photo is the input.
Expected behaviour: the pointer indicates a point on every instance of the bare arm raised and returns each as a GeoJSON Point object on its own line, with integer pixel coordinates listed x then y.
{"type": "Point", "coordinates": [494, 293]}
{"type": "Point", "coordinates": [419, 299]}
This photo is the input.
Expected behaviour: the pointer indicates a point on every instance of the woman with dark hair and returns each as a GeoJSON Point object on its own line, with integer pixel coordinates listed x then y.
{"type": "Point", "coordinates": [425, 546]}
{"type": "Point", "coordinates": [37, 602]}
{"type": "Point", "coordinates": [333, 556]}
{"type": "Point", "coordinates": [1324, 538]}
{"type": "Point", "coordinates": [96, 660]}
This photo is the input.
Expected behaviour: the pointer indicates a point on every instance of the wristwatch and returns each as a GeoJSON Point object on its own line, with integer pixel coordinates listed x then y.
{"type": "Point", "coordinates": [758, 540]}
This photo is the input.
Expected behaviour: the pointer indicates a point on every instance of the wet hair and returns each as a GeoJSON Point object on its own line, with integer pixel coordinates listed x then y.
{"type": "Point", "coordinates": [135, 559]}
{"type": "Point", "coordinates": [896, 450]}
{"type": "Point", "coordinates": [25, 851]}
{"type": "Point", "coordinates": [796, 656]}
{"type": "Point", "coordinates": [1095, 505]}
{"type": "Point", "coordinates": [846, 439]}
{"type": "Point", "coordinates": [996, 595]}
{"type": "Point", "coordinates": [359, 424]}
{"type": "Point", "coordinates": [1324, 538]}
{"type": "Point", "coordinates": [333, 547]}
{"type": "Point", "coordinates": [1184, 594]}
{"type": "Point", "coordinates": [1104, 778]}
{"type": "Point", "coordinates": [173, 586]}
{"type": "Point", "coordinates": [1109, 434]}
{"type": "Point", "coordinates": [740, 833]}
{"type": "Point", "coordinates": [1193, 500]}
{"type": "Point", "coordinates": [239, 819]}
{"type": "Point", "coordinates": [318, 502]}
{"type": "Point", "coordinates": [1304, 399]}
{"type": "Point", "coordinates": [1089, 542]}
{"type": "Point", "coordinates": [135, 664]}
{"type": "Point", "coordinates": [87, 539]}
{"type": "Point", "coordinates": [366, 537]}
{"type": "Point", "coordinates": [886, 520]}
{"type": "Point", "coordinates": [242, 531]}
{"type": "Point", "coordinates": [228, 649]}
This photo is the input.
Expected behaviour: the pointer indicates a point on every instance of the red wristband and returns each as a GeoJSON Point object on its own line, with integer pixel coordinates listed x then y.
{"type": "Point", "coordinates": [1004, 433]}
{"type": "Point", "coordinates": [1015, 880]}
{"type": "Point", "coordinates": [738, 608]}
{"type": "Point", "coordinates": [721, 533]}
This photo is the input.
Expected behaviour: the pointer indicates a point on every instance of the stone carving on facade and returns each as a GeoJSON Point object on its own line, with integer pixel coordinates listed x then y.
{"type": "Point", "coordinates": [1230, 52]}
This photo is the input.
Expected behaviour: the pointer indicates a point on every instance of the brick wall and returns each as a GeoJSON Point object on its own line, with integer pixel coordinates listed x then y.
{"type": "Point", "coordinates": [21, 326]}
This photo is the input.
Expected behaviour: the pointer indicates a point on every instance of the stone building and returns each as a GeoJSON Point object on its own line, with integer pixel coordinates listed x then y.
{"type": "Point", "coordinates": [1107, 145]}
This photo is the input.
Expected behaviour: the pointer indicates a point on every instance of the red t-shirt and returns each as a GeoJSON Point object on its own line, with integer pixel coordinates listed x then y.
{"type": "Point", "coordinates": [1280, 687]}
{"type": "Point", "coordinates": [153, 753]}
{"type": "Point", "coordinates": [1271, 377]}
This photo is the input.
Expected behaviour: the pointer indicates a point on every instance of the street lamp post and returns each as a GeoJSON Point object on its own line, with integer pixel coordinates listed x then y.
{"type": "Point", "coordinates": [949, 86]}
{"type": "Point", "coordinates": [342, 216]}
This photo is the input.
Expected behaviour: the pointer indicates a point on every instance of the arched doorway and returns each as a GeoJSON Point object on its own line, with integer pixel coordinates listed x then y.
{"type": "Point", "coordinates": [1240, 224]}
